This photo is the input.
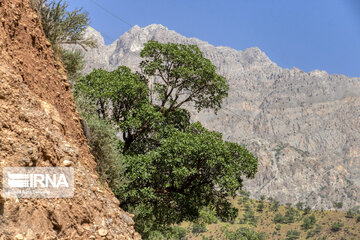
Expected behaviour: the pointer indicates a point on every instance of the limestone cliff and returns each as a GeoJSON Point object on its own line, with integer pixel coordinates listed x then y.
{"type": "Point", "coordinates": [39, 126]}
{"type": "Point", "coordinates": [303, 126]}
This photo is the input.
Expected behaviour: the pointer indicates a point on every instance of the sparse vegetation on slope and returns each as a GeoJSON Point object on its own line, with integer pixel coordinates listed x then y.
{"type": "Point", "coordinates": [309, 224]}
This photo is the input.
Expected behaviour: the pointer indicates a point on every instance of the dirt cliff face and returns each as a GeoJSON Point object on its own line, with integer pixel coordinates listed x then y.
{"type": "Point", "coordinates": [39, 126]}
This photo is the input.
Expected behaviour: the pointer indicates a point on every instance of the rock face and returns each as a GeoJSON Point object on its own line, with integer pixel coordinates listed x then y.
{"type": "Point", "coordinates": [39, 126]}
{"type": "Point", "coordinates": [303, 127]}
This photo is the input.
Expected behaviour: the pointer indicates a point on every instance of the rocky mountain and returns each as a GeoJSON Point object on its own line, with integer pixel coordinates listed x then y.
{"type": "Point", "coordinates": [40, 127]}
{"type": "Point", "coordinates": [303, 126]}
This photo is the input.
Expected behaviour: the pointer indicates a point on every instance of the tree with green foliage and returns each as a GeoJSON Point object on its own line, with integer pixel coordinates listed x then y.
{"type": "Point", "coordinates": [61, 26]}
{"type": "Point", "coordinates": [174, 168]}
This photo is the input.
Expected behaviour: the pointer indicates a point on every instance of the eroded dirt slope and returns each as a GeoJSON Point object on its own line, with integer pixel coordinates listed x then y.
{"type": "Point", "coordinates": [39, 126]}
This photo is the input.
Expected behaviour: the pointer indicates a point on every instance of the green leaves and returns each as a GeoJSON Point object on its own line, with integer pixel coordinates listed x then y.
{"type": "Point", "coordinates": [61, 26]}
{"type": "Point", "coordinates": [184, 74]}
{"type": "Point", "coordinates": [190, 170]}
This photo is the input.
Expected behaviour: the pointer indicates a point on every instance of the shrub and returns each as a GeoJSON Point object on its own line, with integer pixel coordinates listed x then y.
{"type": "Point", "coordinates": [260, 207]}
{"type": "Point", "coordinates": [278, 227]}
{"type": "Point", "coordinates": [290, 215]}
{"type": "Point", "coordinates": [350, 214]}
{"type": "Point", "coordinates": [307, 210]}
{"type": "Point", "coordinates": [308, 222]}
{"type": "Point", "coordinates": [275, 206]}
{"type": "Point", "coordinates": [292, 234]}
{"type": "Point", "coordinates": [104, 147]}
{"type": "Point", "coordinates": [198, 228]}
{"type": "Point", "coordinates": [337, 226]}
{"type": "Point", "coordinates": [338, 205]}
{"type": "Point", "coordinates": [64, 27]}
{"type": "Point", "coordinates": [279, 218]}
{"type": "Point", "coordinates": [249, 216]}
{"type": "Point", "coordinates": [207, 216]}
{"type": "Point", "coordinates": [300, 206]}
{"type": "Point", "coordinates": [245, 233]}
{"type": "Point", "coordinates": [314, 231]}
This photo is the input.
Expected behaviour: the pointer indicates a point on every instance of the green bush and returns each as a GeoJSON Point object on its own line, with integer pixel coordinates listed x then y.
{"type": "Point", "coordinates": [314, 231]}
{"type": "Point", "coordinates": [173, 233]}
{"type": "Point", "coordinates": [63, 27]}
{"type": "Point", "coordinates": [104, 147]}
{"type": "Point", "coordinates": [290, 215]}
{"type": "Point", "coordinates": [245, 234]}
{"type": "Point", "coordinates": [275, 206]}
{"type": "Point", "coordinates": [337, 226]}
{"type": "Point", "coordinates": [350, 214]}
{"type": "Point", "coordinates": [338, 205]}
{"type": "Point", "coordinates": [308, 222]}
{"type": "Point", "coordinates": [307, 210]}
{"type": "Point", "coordinates": [249, 216]}
{"type": "Point", "coordinates": [260, 207]}
{"type": "Point", "coordinates": [279, 218]}
{"type": "Point", "coordinates": [198, 228]}
{"type": "Point", "coordinates": [207, 216]}
{"type": "Point", "coordinates": [300, 206]}
{"type": "Point", "coordinates": [292, 234]}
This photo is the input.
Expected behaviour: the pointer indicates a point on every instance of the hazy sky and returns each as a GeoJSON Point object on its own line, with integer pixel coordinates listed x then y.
{"type": "Point", "coordinates": [307, 34]}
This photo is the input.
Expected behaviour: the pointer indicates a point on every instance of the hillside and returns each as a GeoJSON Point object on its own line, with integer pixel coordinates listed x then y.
{"type": "Point", "coordinates": [271, 222]}
{"type": "Point", "coordinates": [40, 127]}
{"type": "Point", "coordinates": [302, 126]}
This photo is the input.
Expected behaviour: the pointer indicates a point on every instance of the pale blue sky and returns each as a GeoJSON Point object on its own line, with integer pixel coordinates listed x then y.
{"type": "Point", "coordinates": [307, 34]}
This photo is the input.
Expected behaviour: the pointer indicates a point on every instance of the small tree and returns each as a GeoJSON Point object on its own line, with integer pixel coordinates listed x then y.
{"type": "Point", "coordinates": [64, 27]}
{"type": "Point", "coordinates": [61, 26]}
{"type": "Point", "coordinates": [308, 222]}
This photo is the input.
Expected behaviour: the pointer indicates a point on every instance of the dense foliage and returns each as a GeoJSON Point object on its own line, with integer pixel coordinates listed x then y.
{"type": "Point", "coordinates": [63, 27]}
{"type": "Point", "coordinates": [173, 168]}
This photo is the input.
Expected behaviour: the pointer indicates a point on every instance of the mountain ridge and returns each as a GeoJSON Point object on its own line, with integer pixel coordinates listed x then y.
{"type": "Point", "coordinates": [308, 120]}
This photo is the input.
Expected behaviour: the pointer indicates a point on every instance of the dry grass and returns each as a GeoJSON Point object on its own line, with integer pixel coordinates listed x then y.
{"type": "Point", "coordinates": [265, 223]}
